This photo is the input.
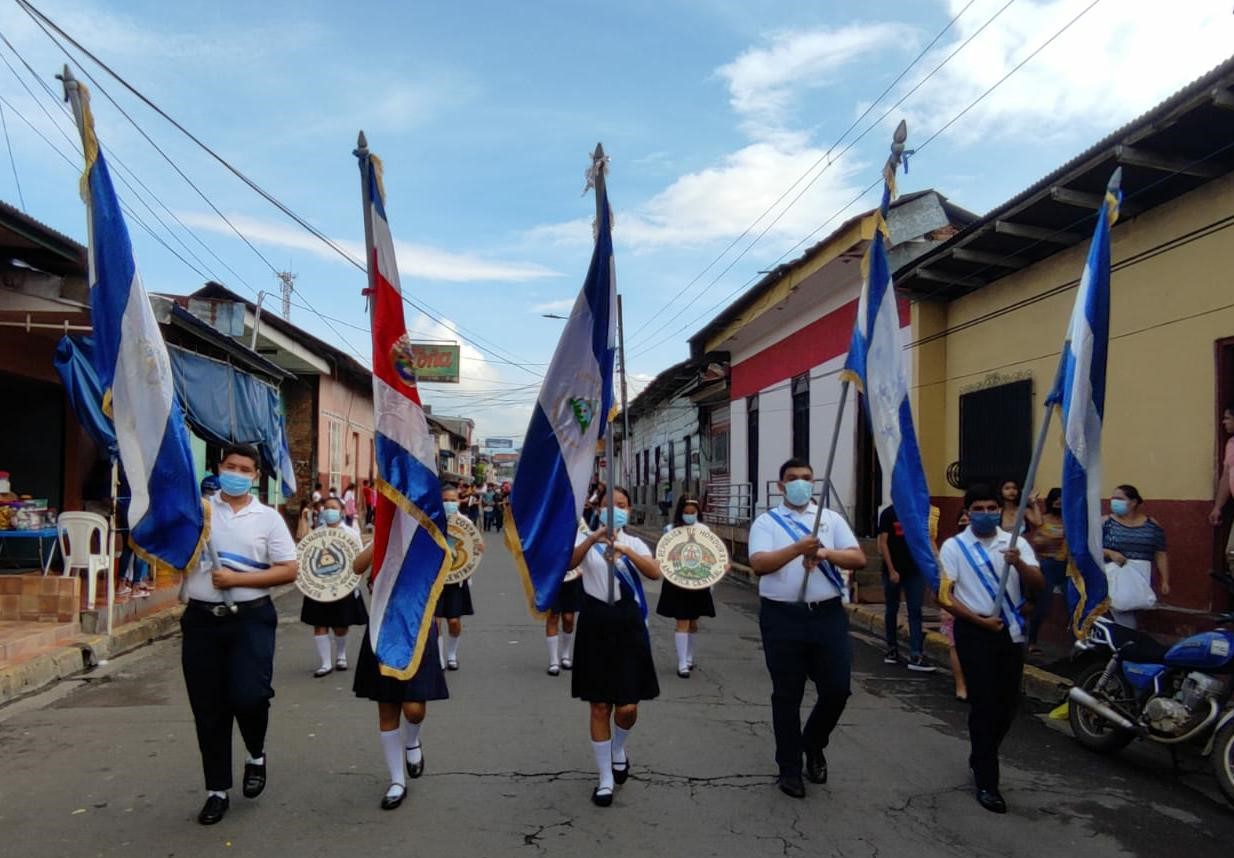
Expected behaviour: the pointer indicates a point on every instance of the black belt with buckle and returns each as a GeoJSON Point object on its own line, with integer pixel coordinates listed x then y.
{"type": "Point", "coordinates": [220, 609]}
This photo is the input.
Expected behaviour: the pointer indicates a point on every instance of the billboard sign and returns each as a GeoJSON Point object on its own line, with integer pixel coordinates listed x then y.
{"type": "Point", "coordinates": [505, 458]}
{"type": "Point", "coordinates": [499, 443]}
{"type": "Point", "coordinates": [436, 362]}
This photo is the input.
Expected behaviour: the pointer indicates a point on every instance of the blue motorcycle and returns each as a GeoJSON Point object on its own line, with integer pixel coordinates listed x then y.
{"type": "Point", "coordinates": [1169, 695]}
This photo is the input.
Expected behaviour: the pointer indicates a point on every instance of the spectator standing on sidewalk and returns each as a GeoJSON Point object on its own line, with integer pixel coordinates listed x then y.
{"type": "Point", "coordinates": [1050, 544]}
{"type": "Point", "coordinates": [1225, 485]}
{"type": "Point", "coordinates": [900, 574]}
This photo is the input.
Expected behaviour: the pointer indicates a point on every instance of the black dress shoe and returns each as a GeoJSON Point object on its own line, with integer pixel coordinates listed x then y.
{"type": "Point", "coordinates": [791, 785]}
{"type": "Point", "coordinates": [601, 799]}
{"type": "Point", "coordinates": [554, 670]}
{"type": "Point", "coordinates": [991, 800]}
{"type": "Point", "coordinates": [214, 810]}
{"type": "Point", "coordinates": [816, 766]}
{"type": "Point", "coordinates": [390, 801]}
{"type": "Point", "coordinates": [621, 775]}
{"type": "Point", "coordinates": [254, 779]}
{"type": "Point", "coordinates": [683, 673]}
{"type": "Point", "coordinates": [414, 770]}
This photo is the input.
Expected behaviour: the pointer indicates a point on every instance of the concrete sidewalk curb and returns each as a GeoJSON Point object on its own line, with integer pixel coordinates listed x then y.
{"type": "Point", "coordinates": [1038, 684]}
{"type": "Point", "coordinates": [85, 651]}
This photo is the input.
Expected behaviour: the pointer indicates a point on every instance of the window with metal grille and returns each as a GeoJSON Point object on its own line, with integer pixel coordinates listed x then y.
{"type": "Point", "coordinates": [752, 443]}
{"type": "Point", "coordinates": [335, 454]}
{"type": "Point", "coordinates": [689, 441]}
{"type": "Point", "coordinates": [801, 416]}
{"type": "Point", "coordinates": [996, 429]}
{"type": "Point", "coordinates": [672, 463]}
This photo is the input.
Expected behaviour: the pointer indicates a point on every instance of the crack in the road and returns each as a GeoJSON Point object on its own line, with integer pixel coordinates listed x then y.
{"type": "Point", "coordinates": [647, 776]}
{"type": "Point", "coordinates": [533, 839]}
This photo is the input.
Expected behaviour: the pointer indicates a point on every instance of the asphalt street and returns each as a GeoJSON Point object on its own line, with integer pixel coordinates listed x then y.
{"type": "Point", "coordinates": [108, 766]}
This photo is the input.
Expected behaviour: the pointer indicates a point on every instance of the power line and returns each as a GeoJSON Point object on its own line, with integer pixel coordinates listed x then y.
{"type": "Point", "coordinates": [12, 160]}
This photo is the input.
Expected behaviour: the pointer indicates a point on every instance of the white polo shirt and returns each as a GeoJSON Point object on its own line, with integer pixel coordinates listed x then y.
{"type": "Point", "coordinates": [595, 567]}
{"type": "Point", "coordinates": [768, 534]}
{"type": "Point", "coordinates": [972, 569]}
{"type": "Point", "coordinates": [250, 540]}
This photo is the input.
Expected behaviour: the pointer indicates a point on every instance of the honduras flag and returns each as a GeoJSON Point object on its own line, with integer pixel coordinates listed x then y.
{"type": "Point", "coordinates": [570, 416]}
{"type": "Point", "coordinates": [1080, 389]}
{"type": "Point", "coordinates": [165, 513]}
{"type": "Point", "coordinates": [410, 555]}
{"type": "Point", "coordinates": [875, 364]}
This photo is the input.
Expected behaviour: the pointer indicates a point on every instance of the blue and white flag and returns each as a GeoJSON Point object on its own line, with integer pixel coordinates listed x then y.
{"type": "Point", "coordinates": [875, 364]}
{"type": "Point", "coordinates": [571, 414]}
{"type": "Point", "coordinates": [166, 519]}
{"type": "Point", "coordinates": [1080, 391]}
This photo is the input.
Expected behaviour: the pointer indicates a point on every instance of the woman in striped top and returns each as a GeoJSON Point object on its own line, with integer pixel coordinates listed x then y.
{"type": "Point", "coordinates": [1135, 541]}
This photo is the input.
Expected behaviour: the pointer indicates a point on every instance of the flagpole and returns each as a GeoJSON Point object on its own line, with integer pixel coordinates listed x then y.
{"type": "Point", "coordinates": [625, 412]}
{"type": "Point", "coordinates": [831, 458]}
{"type": "Point", "coordinates": [597, 171]}
{"type": "Point", "coordinates": [366, 164]}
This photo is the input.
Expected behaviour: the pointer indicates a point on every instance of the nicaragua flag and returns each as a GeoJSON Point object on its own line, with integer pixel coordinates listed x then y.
{"type": "Point", "coordinates": [1080, 390]}
{"type": "Point", "coordinates": [875, 364]}
{"type": "Point", "coordinates": [570, 416]}
{"type": "Point", "coordinates": [410, 555]}
{"type": "Point", "coordinates": [168, 525]}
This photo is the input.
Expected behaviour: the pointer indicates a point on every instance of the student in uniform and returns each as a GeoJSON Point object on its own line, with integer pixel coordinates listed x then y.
{"type": "Point", "coordinates": [401, 704]}
{"type": "Point", "coordinates": [455, 601]}
{"type": "Point", "coordinates": [228, 657]}
{"type": "Point", "coordinates": [561, 614]}
{"type": "Point", "coordinates": [613, 670]}
{"type": "Point", "coordinates": [803, 622]}
{"type": "Point", "coordinates": [685, 606]}
{"type": "Point", "coordinates": [337, 615]}
{"type": "Point", "coordinates": [990, 648]}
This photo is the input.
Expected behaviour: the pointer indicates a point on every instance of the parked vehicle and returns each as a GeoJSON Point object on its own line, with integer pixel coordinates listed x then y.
{"type": "Point", "coordinates": [1169, 695]}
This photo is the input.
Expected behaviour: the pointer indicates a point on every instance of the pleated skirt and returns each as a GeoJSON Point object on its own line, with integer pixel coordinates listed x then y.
{"type": "Point", "coordinates": [428, 683]}
{"type": "Point", "coordinates": [455, 601]}
{"type": "Point", "coordinates": [347, 611]}
{"type": "Point", "coordinates": [612, 654]}
{"type": "Point", "coordinates": [569, 598]}
{"type": "Point", "coordinates": [682, 604]}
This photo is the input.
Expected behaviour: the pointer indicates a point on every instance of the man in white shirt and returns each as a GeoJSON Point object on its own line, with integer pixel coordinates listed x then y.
{"type": "Point", "coordinates": [228, 629]}
{"type": "Point", "coordinates": [803, 621]}
{"type": "Point", "coordinates": [989, 640]}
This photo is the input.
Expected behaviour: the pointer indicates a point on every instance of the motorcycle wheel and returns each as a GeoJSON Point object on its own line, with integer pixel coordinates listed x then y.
{"type": "Point", "coordinates": [1223, 760]}
{"type": "Point", "coordinates": [1090, 729]}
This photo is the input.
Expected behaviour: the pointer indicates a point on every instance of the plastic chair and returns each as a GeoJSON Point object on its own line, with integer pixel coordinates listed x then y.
{"type": "Point", "coordinates": [76, 531]}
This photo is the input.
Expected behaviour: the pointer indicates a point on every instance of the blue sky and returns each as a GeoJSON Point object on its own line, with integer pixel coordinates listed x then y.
{"type": "Point", "coordinates": [485, 112]}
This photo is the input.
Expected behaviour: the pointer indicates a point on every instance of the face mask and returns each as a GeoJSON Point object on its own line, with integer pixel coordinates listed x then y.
{"type": "Point", "coordinates": [983, 523]}
{"type": "Point", "coordinates": [620, 518]}
{"type": "Point", "coordinates": [331, 516]}
{"type": "Point", "coordinates": [235, 484]}
{"type": "Point", "coordinates": [689, 518]}
{"type": "Point", "coordinates": [451, 507]}
{"type": "Point", "coordinates": [798, 492]}
{"type": "Point", "coordinates": [1118, 506]}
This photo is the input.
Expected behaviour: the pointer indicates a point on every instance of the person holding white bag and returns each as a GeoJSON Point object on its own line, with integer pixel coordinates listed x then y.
{"type": "Point", "coordinates": [1133, 542]}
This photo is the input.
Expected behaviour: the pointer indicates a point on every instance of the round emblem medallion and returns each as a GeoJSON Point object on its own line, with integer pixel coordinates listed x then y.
{"type": "Point", "coordinates": [466, 545]}
{"type": "Point", "coordinates": [325, 557]}
{"type": "Point", "coordinates": [403, 360]}
{"type": "Point", "coordinates": [692, 557]}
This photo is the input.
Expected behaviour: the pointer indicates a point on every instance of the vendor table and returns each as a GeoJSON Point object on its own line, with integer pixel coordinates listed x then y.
{"type": "Point", "coordinates": [46, 533]}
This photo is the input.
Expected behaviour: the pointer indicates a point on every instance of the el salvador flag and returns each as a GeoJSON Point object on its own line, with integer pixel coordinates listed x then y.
{"type": "Point", "coordinates": [570, 416]}
{"type": "Point", "coordinates": [410, 554]}
{"type": "Point", "coordinates": [165, 513]}
{"type": "Point", "coordinates": [1080, 390]}
{"type": "Point", "coordinates": [875, 364]}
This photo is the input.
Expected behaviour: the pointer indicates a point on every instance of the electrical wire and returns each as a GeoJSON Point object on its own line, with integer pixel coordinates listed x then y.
{"type": "Point", "coordinates": [12, 161]}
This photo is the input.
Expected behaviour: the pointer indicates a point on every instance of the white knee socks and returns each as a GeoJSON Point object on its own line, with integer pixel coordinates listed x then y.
{"type": "Point", "coordinates": [604, 763]}
{"type": "Point", "coordinates": [451, 648]}
{"type": "Point", "coordinates": [553, 642]}
{"type": "Point", "coordinates": [392, 747]}
{"type": "Point", "coordinates": [690, 651]}
{"type": "Point", "coordinates": [567, 646]}
{"type": "Point", "coordinates": [619, 744]}
{"type": "Point", "coordinates": [682, 640]}
{"type": "Point", "coordinates": [323, 650]}
{"type": "Point", "coordinates": [340, 648]}
{"type": "Point", "coordinates": [411, 742]}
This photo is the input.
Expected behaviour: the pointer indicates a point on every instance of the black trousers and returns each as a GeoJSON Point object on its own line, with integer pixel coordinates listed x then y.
{"type": "Point", "coordinates": [228, 665]}
{"type": "Point", "coordinates": [993, 667]}
{"type": "Point", "coordinates": [803, 642]}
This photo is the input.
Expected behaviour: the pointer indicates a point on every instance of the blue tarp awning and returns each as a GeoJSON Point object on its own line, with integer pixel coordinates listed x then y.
{"type": "Point", "coordinates": [222, 405]}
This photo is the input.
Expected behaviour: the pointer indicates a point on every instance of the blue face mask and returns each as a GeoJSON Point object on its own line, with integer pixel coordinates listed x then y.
{"type": "Point", "coordinates": [798, 492]}
{"type": "Point", "coordinates": [689, 518]}
{"type": "Point", "coordinates": [1118, 506]}
{"type": "Point", "coordinates": [620, 517]}
{"type": "Point", "coordinates": [984, 523]}
{"type": "Point", "coordinates": [235, 485]}
{"type": "Point", "coordinates": [331, 516]}
{"type": "Point", "coordinates": [451, 507]}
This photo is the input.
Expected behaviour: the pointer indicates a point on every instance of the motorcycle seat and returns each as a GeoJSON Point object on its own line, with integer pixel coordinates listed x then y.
{"type": "Point", "coordinates": [1137, 646]}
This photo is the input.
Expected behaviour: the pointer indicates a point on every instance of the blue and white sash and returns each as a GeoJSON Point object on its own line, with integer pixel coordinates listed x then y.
{"type": "Point", "coordinates": [990, 581]}
{"type": "Point", "coordinates": [628, 577]}
{"type": "Point", "coordinates": [796, 530]}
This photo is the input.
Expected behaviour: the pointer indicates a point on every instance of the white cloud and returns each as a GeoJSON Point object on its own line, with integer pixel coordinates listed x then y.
{"type": "Point", "coordinates": [1116, 62]}
{"type": "Point", "coordinates": [764, 81]}
{"type": "Point", "coordinates": [414, 260]}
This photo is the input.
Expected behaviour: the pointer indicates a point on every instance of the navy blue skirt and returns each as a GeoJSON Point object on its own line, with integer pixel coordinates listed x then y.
{"type": "Point", "coordinates": [455, 601]}
{"type": "Point", "coordinates": [569, 597]}
{"type": "Point", "coordinates": [612, 654]}
{"type": "Point", "coordinates": [347, 611]}
{"type": "Point", "coordinates": [682, 604]}
{"type": "Point", "coordinates": [429, 682]}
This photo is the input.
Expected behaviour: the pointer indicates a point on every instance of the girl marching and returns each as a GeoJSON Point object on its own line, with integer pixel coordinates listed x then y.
{"type": "Point", "coordinates": [455, 601]}
{"type": "Point", "coordinates": [339, 615]}
{"type": "Point", "coordinates": [613, 670]}
{"type": "Point", "coordinates": [685, 606]}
